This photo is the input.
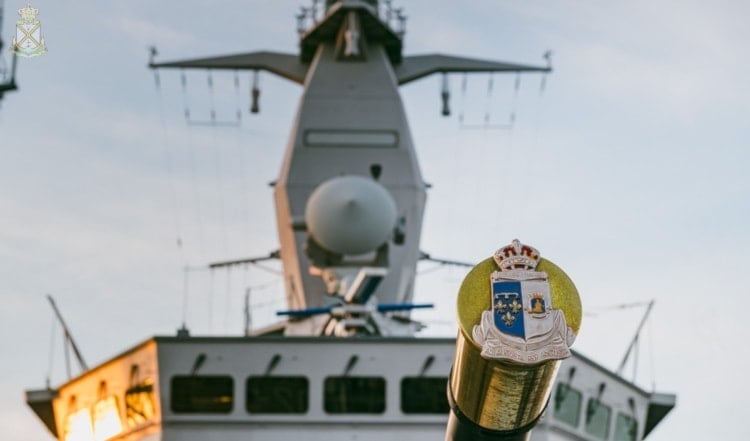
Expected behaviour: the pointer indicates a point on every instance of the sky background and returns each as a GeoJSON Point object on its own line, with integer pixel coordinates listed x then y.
{"type": "Point", "coordinates": [628, 170]}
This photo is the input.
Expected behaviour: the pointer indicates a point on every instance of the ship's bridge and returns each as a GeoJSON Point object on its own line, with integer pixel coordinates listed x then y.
{"type": "Point", "coordinates": [274, 388]}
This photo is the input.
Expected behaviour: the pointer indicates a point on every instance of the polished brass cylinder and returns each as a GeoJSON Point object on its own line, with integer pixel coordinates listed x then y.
{"type": "Point", "coordinates": [500, 395]}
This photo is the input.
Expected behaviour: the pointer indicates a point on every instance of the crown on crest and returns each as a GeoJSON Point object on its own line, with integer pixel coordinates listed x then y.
{"type": "Point", "coordinates": [516, 256]}
{"type": "Point", "coordinates": [28, 13]}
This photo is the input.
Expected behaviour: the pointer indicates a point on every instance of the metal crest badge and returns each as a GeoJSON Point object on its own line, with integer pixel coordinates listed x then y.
{"type": "Point", "coordinates": [28, 41]}
{"type": "Point", "coordinates": [523, 325]}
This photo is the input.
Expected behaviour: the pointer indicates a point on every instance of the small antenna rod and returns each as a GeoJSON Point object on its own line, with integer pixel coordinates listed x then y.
{"type": "Point", "coordinates": [68, 335]}
{"type": "Point", "coordinates": [635, 338]}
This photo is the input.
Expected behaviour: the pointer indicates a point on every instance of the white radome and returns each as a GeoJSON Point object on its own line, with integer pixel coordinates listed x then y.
{"type": "Point", "coordinates": [350, 214]}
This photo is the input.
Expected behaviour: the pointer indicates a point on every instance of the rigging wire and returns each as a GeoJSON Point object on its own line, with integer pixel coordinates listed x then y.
{"type": "Point", "coordinates": [211, 302]}
{"type": "Point", "coordinates": [267, 269]}
{"type": "Point", "coordinates": [168, 156]}
{"type": "Point", "coordinates": [250, 306]}
{"type": "Point", "coordinates": [539, 108]}
{"type": "Point", "coordinates": [242, 164]}
{"type": "Point", "coordinates": [217, 164]}
{"type": "Point", "coordinates": [50, 366]}
{"type": "Point", "coordinates": [514, 101]}
{"type": "Point", "coordinates": [238, 111]}
{"type": "Point", "coordinates": [652, 359]}
{"type": "Point", "coordinates": [543, 83]}
{"type": "Point", "coordinates": [227, 298]}
{"type": "Point", "coordinates": [432, 269]}
{"type": "Point", "coordinates": [183, 82]}
{"type": "Point", "coordinates": [486, 119]}
{"type": "Point", "coordinates": [219, 172]}
{"type": "Point", "coordinates": [463, 99]}
{"type": "Point", "coordinates": [212, 109]}
{"type": "Point", "coordinates": [191, 162]}
{"type": "Point", "coordinates": [636, 353]}
{"type": "Point", "coordinates": [185, 296]}
{"type": "Point", "coordinates": [635, 342]}
{"type": "Point", "coordinates": [248, 316]}
{"type": "Point", "coordinates": [597, 311]}
{"type": "Point", "coordinates": [186, 290]}
{"type": "Point", "coordinates": [488, 103]}
{"type": "Point", "coordinates": [66, 347]}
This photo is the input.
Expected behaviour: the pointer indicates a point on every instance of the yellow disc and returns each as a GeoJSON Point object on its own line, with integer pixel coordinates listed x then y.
{"type": "Point", "coordinates": [474, 295]}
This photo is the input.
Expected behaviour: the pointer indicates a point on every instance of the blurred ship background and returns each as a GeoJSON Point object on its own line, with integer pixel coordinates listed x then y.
{"type": "Point", "coordinates": [102, 234]}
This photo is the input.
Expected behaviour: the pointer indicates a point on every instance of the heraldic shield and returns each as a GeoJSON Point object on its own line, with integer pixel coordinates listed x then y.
{"type": "Point", "coordinates": [523, 324]}
{"type": "Point", "coordinates": [28, 41]}
{"type": "Point", "coordinates": [520, 307]}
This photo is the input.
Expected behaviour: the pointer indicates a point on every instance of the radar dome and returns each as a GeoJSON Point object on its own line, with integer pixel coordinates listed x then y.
{"type": "Point", "coordinates": [350, 214]}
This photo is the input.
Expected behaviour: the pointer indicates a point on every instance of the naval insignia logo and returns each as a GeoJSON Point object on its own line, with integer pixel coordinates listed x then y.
{"type": "Point", "coordinates": [28, 41]}
{"type": "Point", "coordinates": [523, 324]}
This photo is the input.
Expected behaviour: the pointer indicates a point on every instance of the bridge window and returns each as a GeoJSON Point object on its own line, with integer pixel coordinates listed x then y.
{"type": "Point", "coordinates": [139, 403]}
{"type": "Point", "coordinates": [78, 425]}
{"type": "Point", "coordinates": [567, 404]}
{"type": "Point", "coordinates": [277, 394]}
{"type": "Point", "coordinates": [597, 418]}
{"type": "Point", "coordinates": [424, 395]}
{"type": "Point", "coordinates": [354, 395]}
{"type": "Point", "coordinates": [106, 418]}
{"type": "Point", "coordinates": [626, 428]}
{"type": "Point", "coordinates": [202, 394]}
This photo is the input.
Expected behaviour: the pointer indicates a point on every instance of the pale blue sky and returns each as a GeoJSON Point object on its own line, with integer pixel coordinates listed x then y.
{"type": "Point", "coordinates": [629, 172]}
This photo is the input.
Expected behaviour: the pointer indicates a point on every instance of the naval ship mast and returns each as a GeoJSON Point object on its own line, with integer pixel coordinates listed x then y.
{"type": "Point", "coordinates": [349, 204]}
{"type": "Point", "coordinates": [350, 195]}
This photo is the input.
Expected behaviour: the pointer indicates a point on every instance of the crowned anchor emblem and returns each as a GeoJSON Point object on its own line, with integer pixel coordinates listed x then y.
{"type": "Point", "coordinates": [28, 41]}
{"type": "Point", "coordinates": [523, 325]}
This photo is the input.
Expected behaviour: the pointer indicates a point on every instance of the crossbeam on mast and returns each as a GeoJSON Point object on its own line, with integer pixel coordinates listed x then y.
{"type": "Point", "coordinates": [247, 261]}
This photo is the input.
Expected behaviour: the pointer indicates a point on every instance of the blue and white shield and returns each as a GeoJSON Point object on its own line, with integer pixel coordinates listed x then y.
{"type": "Point", "coordinates": [521, 307]}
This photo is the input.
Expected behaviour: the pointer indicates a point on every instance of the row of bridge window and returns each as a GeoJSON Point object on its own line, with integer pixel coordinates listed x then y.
{"type": "Point", "coordinates": [214, 394]}
{"type": "Point", "coordinates": [367, 395]}
{"type": "Point", "coordinates": [569, 409]}
{"type": "Point", "coordinates": [290, 395]}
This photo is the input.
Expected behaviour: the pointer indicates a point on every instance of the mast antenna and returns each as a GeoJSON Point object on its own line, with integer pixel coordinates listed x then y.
{"type": "Point", "coordinates": [634, 342]}
{"type": "Point", "coordinates": [68, 336]}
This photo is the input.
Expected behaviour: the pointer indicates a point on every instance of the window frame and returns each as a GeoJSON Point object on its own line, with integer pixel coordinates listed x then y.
{"type": "Point", "coordinates": [426, 398]}
{"type": "Point", "coordinates": [374, 408]}
{"type": "Point", "coordinates": [621, 416]}
{"type": "Point", "coordinates": [562, 393]}
{"type": "Point", "coordinates": [192, 408]}
{"type": "Point", "coordinates": [593, 405]}
{"type": "Point", "coordinates": [305, 409]}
